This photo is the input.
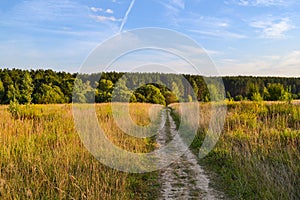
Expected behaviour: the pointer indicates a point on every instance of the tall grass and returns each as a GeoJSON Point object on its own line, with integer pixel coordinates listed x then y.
{"type": "Point", "coordinates": [42, 156]}
{"type": "Point", "coordinates": [140, 115]}
{"type": "Point", "coordinates": [258, 153]}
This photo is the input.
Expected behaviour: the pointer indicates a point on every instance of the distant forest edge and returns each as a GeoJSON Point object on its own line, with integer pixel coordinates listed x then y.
{"type": "Point", "coordinates": [50, 87]}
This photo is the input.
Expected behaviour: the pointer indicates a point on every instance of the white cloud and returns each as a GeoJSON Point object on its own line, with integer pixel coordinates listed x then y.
{"type": "Point", "coordinates": [290, 61]}
{"type": "Point", "coordinates": [243, 3]}
{"type": "Point", "coordinates": [274, 65]}
{"type": "Point", "coordinates": [262, 2]}
{"type": "Point", "coordinates": [101, 18]}
{"type": "Point", "coordinates": [272, 28]}
{"type": "Point", "coordinates": [223, 24]}
{"type": "Point", "coordinates": [109, 11]}
{"type": "Point", "coordinates": [94, 9]}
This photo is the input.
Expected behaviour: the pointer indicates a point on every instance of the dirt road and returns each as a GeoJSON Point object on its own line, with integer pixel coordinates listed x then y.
{"type": "Point", "coordinates": [184, 178]}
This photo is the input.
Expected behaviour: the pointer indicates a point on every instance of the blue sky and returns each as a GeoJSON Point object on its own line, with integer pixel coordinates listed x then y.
{"type": "Point", "coordinates": [242, 37]}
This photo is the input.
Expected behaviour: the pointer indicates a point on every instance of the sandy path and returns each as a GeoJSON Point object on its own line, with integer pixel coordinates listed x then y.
{"type": "Point", "coordinates": [184, 178]}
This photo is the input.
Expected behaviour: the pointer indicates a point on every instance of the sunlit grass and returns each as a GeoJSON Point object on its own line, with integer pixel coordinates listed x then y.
{"type": "Point", "coordinates": [140, 114]}
{"type": "Point", "coordinates": [258, 153]}
{"type": "Point", "coordinates": [42, 156]}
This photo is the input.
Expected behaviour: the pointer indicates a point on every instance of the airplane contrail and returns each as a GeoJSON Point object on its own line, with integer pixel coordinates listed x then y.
{"type": "Point", "coordinates": [126, 15]}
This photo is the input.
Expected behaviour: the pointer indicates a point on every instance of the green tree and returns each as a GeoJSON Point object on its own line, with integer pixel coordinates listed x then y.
{"type": "Point", "coordinates": [67, 88]}
{"type": "Point", "coordinates": [49, 95]}
{"type": "Point", "coordinates": [287, 96]}
{"type": "Point", "coordinates": [79, 92]}
{"type": "Point", "coordinates": [253, 92]}
{"type": "Point", "coordinates": [214, 93]}
{"type": "Point", "coordinates": [89, 92]}
{"type": "Point", "coordinates": [139, 97]}
{"type": "Point", "coordinates": [104, 91]}
{"type": "Point", "coordinates": [175, 91]}
{"type": "Point", "coordinates": [12, 93]}
{"type": "Point", "coordinates": [256, 97]}
{"type": "Point", "coordinates": [8, 87]}
{"type": "Point", "coordinates": [26, 89]}
{"type": "Point", "coordinates": [121, 93]}
{"type": "Point", "coordinates": [171, 97]}
{"type": "Point", "coordinates": [2, 92]}
{"type": "Point", "coordinates": [83, 92]}
{"type": "Point", "coordinates": [276, 91]}
{"type": "Point", "coordinates": [266, 95]}
{"type": "Point", "coordinates": [133, 98]}
{"type": "Point", "coordinates": [151, 94]}
{"type": "Point", "coordinates": [195, 88]}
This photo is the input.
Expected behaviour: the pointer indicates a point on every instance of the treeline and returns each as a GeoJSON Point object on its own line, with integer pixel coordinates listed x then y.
{"type": "Point", "coordinates": [266, 88]}
{"type": "Point", "coordinates": [49, 87]}
{"type": "Point", "coordinates": [39, 87]}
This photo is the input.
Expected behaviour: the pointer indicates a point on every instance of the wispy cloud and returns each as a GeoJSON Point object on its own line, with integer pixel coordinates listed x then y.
{"type": "Point", "coordinates": [177, 3]}
{"type": "Point", "coordinates": [172, 7]}
{"type": "Point", "coordinates": [272, 28]}
{"type": "Point", "coordinates": [108, 11]}
{"type": "Point", "coordinates": [197, 23]}
{"type": "Point", "coordinates": [40, 26]}
{"type": "Point", "coordinates": [197, 20]}
{"type": "Point", "coordinates": [52, 15]}
{"type": "Point", "coordinates": [261, 2]}
{"type": "Point", "coordinates": [51, 10]}
{"type": "Point", "coordinates": [126, 15]}
{"type": "Point", "coordinates": [285, 65]}
{"type": "Point", "coordinates": [101, 18]}
{"type": "Point", "coordinates": [220, 33]}
{"type": "Point", "coordinates": [208, 26]}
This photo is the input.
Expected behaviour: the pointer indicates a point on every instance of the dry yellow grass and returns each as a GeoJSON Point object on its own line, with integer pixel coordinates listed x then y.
{"type": "Point", "coordinates": [42, 156]}
{"type": "Point", "coordinates": [258, 153]}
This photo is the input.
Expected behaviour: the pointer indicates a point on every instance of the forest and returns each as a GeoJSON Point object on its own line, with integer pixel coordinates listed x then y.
{"type": "Point", "coordinates": [50, 87]}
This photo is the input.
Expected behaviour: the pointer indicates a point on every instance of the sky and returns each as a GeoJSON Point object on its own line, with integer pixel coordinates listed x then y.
{"type": "Point", "coordinates": [241, 37]}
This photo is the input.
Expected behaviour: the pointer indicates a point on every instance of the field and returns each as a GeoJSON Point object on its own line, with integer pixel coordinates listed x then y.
{"type": "Point", "coordinates": [258, 153]}
{"type": "Point", "coordinates": [42, 156]}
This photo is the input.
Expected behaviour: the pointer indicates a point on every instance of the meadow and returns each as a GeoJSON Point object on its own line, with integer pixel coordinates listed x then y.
{"type": "Point", "coordinates": [42, 156]}
{"type": "Point", "coordinates": [258, 153]}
